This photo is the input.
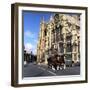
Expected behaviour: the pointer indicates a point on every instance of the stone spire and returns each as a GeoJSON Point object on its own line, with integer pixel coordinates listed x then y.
{"type": "Point", "coordinates": [42, 20]}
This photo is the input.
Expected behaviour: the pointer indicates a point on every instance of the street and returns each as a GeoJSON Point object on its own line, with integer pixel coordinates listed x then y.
{"type": "Point", "coordinates": [34, 70]}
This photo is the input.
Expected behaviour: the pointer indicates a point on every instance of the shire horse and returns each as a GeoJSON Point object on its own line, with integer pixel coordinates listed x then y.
{"type": "Point", "coordinates": [56, 62]}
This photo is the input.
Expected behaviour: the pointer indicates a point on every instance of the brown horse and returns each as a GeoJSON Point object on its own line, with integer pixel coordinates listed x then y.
{"type": "Point", "coordinates": [56, 62]}
{"type": "Point", "coordinates": [61, 62]}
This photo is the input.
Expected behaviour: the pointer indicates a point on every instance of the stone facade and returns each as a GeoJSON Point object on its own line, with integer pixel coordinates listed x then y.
{"type": "Point", "coordinates": [61, 35]}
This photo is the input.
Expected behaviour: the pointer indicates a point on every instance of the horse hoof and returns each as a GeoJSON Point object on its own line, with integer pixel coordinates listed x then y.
{"type": "Point", "coordinates": [60, 68]}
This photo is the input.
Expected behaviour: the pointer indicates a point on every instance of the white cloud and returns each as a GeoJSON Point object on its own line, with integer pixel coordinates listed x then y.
{"type": "Point", "coordinates": [29, 34]}
{"type": "Point", "coordinates": [30, 47]}
{"type": "Point", "coordinates": [35, 41]}
{"type": "Point", "coordinates": [35, 51]}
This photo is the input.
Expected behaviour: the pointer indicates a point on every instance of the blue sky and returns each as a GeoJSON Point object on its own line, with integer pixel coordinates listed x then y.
{"type": "Point", "coordinates": [32, 28]}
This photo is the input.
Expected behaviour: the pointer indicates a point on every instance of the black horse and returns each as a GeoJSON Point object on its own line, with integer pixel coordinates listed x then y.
{"type": "Point", "coordinates": [56, 62]}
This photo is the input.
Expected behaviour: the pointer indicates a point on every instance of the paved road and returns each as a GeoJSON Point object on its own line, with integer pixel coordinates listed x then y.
{"type": "Point", "coordinates": [32, 70]}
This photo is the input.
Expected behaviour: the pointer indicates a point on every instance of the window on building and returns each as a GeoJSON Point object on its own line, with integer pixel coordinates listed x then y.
{"type": "Point", "coordinates": [75, 48]}
{"type": "Point", "coordinates": [79, 47]}
{"type": "Point", "coordinates": [69, 48]}
{"type": "Point", "coordinates": [79, 55]}
{"type": "Point", "coordinates": [69, 57]}
{"type": "Point", "coordinates": [57, 34]}
{"type": "Point", "coordinates": [45, 32]}
{"type": "Point", "coordinates": [53, 38]}
{"type": "Point", "coordinates": [75, 56]}
{"type": "Point", "coordinates": [68, 38]}
{"type": "Point", "coordinates": [61, 47]}
{"type": "Point", "coordinates": [61, 37]}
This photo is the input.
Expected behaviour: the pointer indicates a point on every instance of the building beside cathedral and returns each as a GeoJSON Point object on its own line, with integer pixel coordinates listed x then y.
{"type": "Point", "coordinates": [61, 35]}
